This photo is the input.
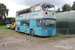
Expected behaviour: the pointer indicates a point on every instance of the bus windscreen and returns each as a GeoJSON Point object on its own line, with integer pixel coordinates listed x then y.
{"type": "Point", "coordinates": [48, 23]}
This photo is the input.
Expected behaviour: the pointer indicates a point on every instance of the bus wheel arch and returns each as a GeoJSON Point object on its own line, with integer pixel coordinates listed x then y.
{"type": "Point", "coordinates": [32, 32]}
{"type": "Point", "coordinates": [18, 29]}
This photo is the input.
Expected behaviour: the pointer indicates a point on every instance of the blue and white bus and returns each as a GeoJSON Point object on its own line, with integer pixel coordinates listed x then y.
{"type": "Point", "coordinates": [39, 19]}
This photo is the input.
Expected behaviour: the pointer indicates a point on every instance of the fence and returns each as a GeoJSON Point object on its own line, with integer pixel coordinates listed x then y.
{"type": "Point", "coordinates": [66, 31]}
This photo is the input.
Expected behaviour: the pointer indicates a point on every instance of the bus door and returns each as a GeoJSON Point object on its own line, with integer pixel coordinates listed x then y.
{"type": "Point", "coordinates": [22, 26]}
{"type": "Point", "coordinates": [27, 27]}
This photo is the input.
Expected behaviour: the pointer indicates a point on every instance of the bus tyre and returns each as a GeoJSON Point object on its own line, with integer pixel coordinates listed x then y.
{"type": "Point", "coordinates": [32, 32]}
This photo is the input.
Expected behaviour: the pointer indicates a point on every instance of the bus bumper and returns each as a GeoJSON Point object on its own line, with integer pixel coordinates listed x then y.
{"type": "Point", "coordinates": [46, 32]}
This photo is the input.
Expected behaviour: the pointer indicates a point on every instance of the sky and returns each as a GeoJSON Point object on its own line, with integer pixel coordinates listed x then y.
{"type": "Point", "coordinates": [15, 5]}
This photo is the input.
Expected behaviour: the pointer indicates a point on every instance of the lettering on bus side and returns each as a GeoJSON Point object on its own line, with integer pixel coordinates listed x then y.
{"type": "Point", "coordinates": [34, 14]}
{"type": "Point", "coordinates": [50, 15]}
{"type": "Point", "coordinates": [20, 16]}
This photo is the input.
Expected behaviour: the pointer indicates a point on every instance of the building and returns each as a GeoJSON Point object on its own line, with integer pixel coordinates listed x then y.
{"type": "Point", "coordinates": [66, 20]}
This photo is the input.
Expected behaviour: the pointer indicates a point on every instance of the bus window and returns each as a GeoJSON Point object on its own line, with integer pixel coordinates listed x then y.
{"type": "Point", "coordinates": [38, 23]}
{"type": "Point", "coordinates": [18, 23]}
{"type": "Point", "coordinates": [48, 7]}
{"type": "Point", "coordinates": [37, 8]}
{"type": "Point", "coordinates": [23, 12]}
{"type": "Point", "coordinates": [25, 23]}
{"type": "Point", "coordinates": [32, 9]}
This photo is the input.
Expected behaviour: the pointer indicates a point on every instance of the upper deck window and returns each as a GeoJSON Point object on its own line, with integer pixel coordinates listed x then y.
{"type": "Point", "coordinates": [37, 8]}
{"type": "Point", "coordinates": [48, 7]}
{"type": "Point", "coordinates": [23, 12]}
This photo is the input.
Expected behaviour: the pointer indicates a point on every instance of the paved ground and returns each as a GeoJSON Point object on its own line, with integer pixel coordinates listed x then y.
{"type": "Point", "coordinates": [68, 44]}
{"type": "Point", "coordinates": [46, 44]}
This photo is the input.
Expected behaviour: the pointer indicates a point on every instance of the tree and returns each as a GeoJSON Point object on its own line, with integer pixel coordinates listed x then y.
{"type": "Point", "coordinates": [3, 12]}
{"type": "Point", "coordinates": [66, 7]}
{"type": "Point", "coordinates": [73, 6]}
{"type": "Point", "coordinates": [13, 19]}
{"type": "Point", "coordinates": [58, 10]}
{"type": "Point", "coordinates": [10, 20]}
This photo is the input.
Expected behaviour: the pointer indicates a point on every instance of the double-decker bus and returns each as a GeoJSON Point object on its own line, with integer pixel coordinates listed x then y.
{"type": "Point", "coordinates": [39, 19]}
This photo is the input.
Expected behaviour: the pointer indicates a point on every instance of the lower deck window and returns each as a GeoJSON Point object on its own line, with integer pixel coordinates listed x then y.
{"type": "Point", "coordinates": [38, 23]}
{"type": "Point", "coordinates": [25, 23]}
{"type": "Point", "coordinates": [17, 23]}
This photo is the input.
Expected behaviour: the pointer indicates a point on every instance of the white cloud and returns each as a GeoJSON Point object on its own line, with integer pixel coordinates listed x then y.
{"type": "Point", "coordinates": [15, 5]}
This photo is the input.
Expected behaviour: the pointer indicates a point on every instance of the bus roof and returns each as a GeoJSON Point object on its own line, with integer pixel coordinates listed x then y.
{"type": "Point", "coordinates": [37, 5]}
{"type": "Point", "coordinates": [43, 4]}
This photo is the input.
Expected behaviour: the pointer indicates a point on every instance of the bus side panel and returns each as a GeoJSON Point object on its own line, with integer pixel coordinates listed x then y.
{"type": "Point", "coordinates": [32, 24]}
{"type": "Point", "coordinates": [26, 29]}
{"type": "Point", "coordinates": [37, 30]}
{"type": "Point", "coordinates": [22, 27]}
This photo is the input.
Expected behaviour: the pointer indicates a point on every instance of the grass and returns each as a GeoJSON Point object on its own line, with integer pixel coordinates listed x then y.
{"type": "Point", "coordinates": [58, 37]}
{"type": "Point", "coordinates": [3, 27]}
{"type": "Point", "coordinates": [20, 36]}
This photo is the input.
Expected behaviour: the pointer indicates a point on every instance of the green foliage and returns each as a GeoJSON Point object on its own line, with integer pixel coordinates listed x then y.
{"type": "Point", "coordinates": [57, 33]}
{"type": "Point", "coordinates": [13, 19]}
{"type": "Point", "coordinates": [66, 7]}
{"type": "Point", "coordinates": [73, 6]}
{"type": "Point", "coordinates": [10, 20]}
{"type": "Point", "coordinates": [58, 10]}
{"type": "Point", "coordinates": [3, 12]}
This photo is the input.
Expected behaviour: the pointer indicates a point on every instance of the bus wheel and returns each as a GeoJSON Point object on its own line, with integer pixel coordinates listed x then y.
{"type": "Point", "coordinates": [18, 29]}
{"type": "Point", "coordinates": [32, 32]}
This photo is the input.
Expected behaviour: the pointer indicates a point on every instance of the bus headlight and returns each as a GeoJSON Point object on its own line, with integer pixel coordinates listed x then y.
{"type": "Point", "coordinates": [54, 30]}
{"type": "Point", "coordinates": [41, 29]}
{"type": "Point", "coordinates": [45, 30]}
{"type": "Point", "coordinates": [44, 33]}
